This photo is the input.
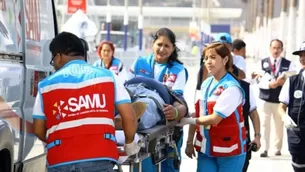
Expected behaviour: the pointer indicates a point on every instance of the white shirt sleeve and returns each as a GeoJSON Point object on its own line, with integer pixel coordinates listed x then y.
{"type": "Point", "coordinates": [38, 112]}
{"type": "Point", "coordinates": [180, 82]}
{"type": "Point", "coordinates": [240, 63]}
{"type": "Point", "coordinates": [123, 75]}
{"type": "Point", "coordinates": [228, 101]}
{"type": "Point", "coordinates": [121, 94]}
{"type": "Point", "coordinates": [292, 67]}
{"type": "Point", "coordinates": [284, 95]}
{"type": "Point", "coordinates": [252, 100]}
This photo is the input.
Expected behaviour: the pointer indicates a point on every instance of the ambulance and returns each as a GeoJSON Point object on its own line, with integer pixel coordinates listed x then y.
{"type": "Point", "coordinates": [26, 30]}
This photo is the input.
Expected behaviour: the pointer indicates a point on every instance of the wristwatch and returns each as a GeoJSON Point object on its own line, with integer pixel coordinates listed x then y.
{"type": "Point", "coordinates": [257, 135]}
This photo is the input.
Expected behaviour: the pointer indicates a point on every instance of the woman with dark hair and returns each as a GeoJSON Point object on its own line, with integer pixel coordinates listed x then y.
{"type": "Point", "coordinates": [106, 51]}
{"type": "Point", "coordinates": [221, 134]}
{"type": "Point", "coordinates": [164, 66]}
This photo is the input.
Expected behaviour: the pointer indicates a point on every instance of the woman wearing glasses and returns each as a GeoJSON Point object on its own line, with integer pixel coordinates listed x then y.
{"type": "Point", "coordinates": [106, 51]}
{"type": "Point", "coordinates": [221, 135]}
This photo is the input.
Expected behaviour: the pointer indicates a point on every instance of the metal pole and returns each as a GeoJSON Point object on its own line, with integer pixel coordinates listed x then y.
{"type": "Point", "coordinates": [291, 41]}
{"type": "Point", "coordinates": [254, 15]}
{"type": "Point", "coordinates": [261, 13]}
{"type": "Point", "coordinates": [108, 20]}
{"type": "Point", "coordinates": [126, 25]}
{"type": "Point", "coordinates": [283, 20]}
{"type": "Point", "coordinates": [301, 22]}
{"type": "Point", "coordinates": [265, 38]}
{"type": "Point", "coordinates": [140, 24]}
{"type": "Point", "coordinates": [194, 11]}
{"type": "Point", "coordinates": [249, 22]}
{"type": "Point", "coordinates": [202, 24]}
{"type": "Point", "coordinates": [270, 18]}
{"type": "Point", "coordinates": [266, 9]}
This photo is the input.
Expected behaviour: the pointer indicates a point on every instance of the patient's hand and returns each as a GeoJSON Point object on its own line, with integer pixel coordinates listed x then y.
{"type": "Point", "coordinates": [170, 112]}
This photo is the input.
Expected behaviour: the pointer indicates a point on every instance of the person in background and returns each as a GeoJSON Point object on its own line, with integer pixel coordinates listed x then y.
{"type": "Point", "coordinates": [218, 118]}
{"type": "Point", "coordinates": [238, 60]}
{"type": "Point", "coordinates": [107, 60]}
{"type": "Point", "coordinates": [80, 135]}
{"type": "Point", "coordinates": [270, 80]}
{"type": "Point", "coordinates": [164, 66]}
{"type": "Point", "coordinates": [292, 96]}
{"type": "Point", "coordinates": [239, 48]}
{"type": "Point", "coordinates": [239, 54]}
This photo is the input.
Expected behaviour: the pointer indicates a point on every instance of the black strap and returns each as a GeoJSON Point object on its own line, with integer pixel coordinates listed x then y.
{"type": "Point", "coordinates": [199, 77]}
{"type": "Point", "coordinates": [121, 68]}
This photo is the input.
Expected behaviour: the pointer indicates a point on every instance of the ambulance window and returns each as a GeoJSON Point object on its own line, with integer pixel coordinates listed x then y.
{"type": "Point", "coordinates": [10, 27]}
{"type": "Point", "coordinates": [40, 27]}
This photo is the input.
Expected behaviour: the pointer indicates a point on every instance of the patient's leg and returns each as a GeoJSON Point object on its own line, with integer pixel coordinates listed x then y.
{"type": "Point", "coordinates": [138, 107]}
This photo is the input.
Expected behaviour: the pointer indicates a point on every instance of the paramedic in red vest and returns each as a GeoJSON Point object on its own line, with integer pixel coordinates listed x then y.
{"type": "Point", "coordinates": [164, 66]}
{"type": "Point", "coordinates": [74, 111]}
{"type": "Point", "coordinates": [107, 60]}
{"type": "Point", "coordinates": [249, 107]}
{"type": "Point", "coordinates": [270, 85]}
{"type": "Point", "coordinates": [292, 111]}
{"type": "Point", "coordinates": [221, 134]}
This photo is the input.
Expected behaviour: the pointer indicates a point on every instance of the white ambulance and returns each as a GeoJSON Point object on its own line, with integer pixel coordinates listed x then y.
{"type": "Point", "coordinates": [26, 29]}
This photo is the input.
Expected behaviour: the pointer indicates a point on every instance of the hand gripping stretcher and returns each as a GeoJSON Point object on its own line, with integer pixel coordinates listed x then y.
{"type": "Point", "coordinates": [154, 143]}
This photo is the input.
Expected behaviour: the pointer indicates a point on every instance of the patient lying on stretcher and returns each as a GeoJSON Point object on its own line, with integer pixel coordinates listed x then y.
{"type": "Point", "coordinates": [153, 103]}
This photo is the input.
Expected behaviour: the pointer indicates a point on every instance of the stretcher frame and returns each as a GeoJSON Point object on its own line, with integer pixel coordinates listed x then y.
{"type": "Point", "coordinates": [153, 141]}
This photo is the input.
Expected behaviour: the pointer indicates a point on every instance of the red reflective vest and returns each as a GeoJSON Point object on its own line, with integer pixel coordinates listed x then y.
{"type": "Point", "coordinates": [80, 118]}
{"type": "Point", "coordinates": [228, 138]}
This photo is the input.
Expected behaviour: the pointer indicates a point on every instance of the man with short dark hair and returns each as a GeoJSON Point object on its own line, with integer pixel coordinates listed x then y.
{"type": "Point", "coordinates": [239, 48]}
{"type": "Point", "coordinates": [74, 111]}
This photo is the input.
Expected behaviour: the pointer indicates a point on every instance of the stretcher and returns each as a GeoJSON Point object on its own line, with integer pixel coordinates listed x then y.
{"type": "Point", "coordinates": [154, 143]}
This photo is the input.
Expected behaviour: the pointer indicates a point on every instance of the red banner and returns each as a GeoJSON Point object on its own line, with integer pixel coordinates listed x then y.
{"type": "Point", "coordinates": [2, 5]}
{"type": "Point", "coordinates": [74, 5]}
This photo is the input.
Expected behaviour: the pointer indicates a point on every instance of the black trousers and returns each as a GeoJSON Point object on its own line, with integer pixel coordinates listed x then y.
{"type": "Point", "coordinates": [298, 163]}
{"type": "Point", "coordinates": [296, 145]}
{"type": "Point", "coordinates": [247, 161]}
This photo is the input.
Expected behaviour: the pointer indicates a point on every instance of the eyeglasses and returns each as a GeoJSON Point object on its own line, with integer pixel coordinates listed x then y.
{"type": "Point", "coordinates": [52, 60]}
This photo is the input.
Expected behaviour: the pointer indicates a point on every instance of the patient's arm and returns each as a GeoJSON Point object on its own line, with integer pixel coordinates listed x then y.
{"type": "Point", "coordinates": [182, 110]}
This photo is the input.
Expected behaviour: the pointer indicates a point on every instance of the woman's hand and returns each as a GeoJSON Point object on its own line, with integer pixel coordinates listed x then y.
{"type": "Point", "coordinates": [190, 150]}
{"type": "Point", "coordinates": [170, 112]}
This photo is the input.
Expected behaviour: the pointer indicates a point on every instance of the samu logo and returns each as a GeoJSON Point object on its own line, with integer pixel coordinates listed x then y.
{"type": "Point", "coordinates": [87, 102]}
{"type": "Point", "coordinates": [76, 70]}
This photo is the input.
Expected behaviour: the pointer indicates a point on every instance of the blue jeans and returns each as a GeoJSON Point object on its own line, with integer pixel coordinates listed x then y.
{"type": "Point", "coordinates": [221, 164]}
{"type": "Point", "coordinates": [94, 166]}
{"type": "Point", "coordinates": [167, 165]}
